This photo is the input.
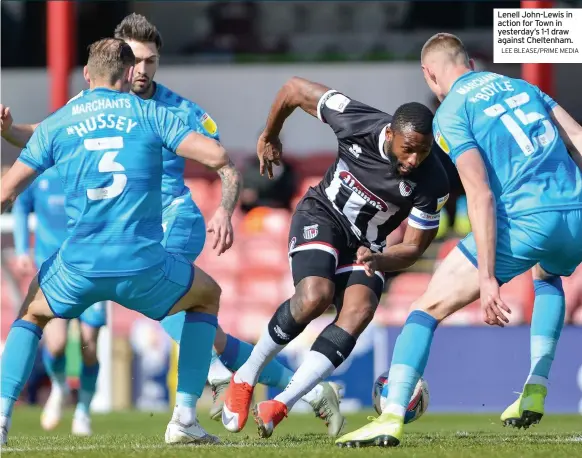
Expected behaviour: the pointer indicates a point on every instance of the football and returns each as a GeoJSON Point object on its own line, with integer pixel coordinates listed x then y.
{"type": "Point", "coordinates": [418, 402]}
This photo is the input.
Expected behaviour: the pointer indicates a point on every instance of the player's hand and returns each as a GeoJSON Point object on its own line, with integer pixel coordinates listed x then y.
{"type": "Point", "coordinates": [269, 151]}
{"type": "Point", "coordinates": [24, 265]}
{"type": "Point", "coordinates": [5, 118]}
{"type": "Point", "coordinates": [221, 227]}
{"type": "Point", "coordinates": [491, 303]}
{"type": "Point", "coordinates": [368, 259]}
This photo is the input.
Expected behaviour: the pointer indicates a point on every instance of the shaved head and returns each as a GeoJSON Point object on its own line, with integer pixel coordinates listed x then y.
{"type": "Point", "coordinates": [449, 46]}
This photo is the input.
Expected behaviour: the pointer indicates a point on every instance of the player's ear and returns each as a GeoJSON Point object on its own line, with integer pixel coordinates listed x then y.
{"type": "Point", "coordinates": [130, 74]}
{"type": "Point", "coordinates": [389, 134]}
{"type": "Point", "coordinates": [472, 64]}
{"type": "Point", "coordinates": [86, 74]}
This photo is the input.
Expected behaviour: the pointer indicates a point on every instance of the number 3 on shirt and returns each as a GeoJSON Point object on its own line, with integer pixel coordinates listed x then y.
{"type": "Point", "coordinates": [527, 145]}
{"type": "Point", "coordinates": [107, 164]}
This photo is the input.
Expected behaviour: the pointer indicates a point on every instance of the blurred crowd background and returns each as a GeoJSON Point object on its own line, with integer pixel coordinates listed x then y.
{"type": "Point", "coordinates": [231, 58]}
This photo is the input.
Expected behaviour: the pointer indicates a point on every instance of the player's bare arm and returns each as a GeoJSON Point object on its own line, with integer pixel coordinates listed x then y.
{"type": "Point", "coordinates": [14, 182]}
{"type": "Point", "coordinates": [15, 134]}
{"type": "Point", "coordinates": [482, 214]}
{"type": "Point", "coordinates": [210, 153]}
{"type": "Point", "coordinates": [570, 131]}
{"type": "Point", "coordinates": [296, 93]}
{"type": "Point", "coordinates": [400, 256]}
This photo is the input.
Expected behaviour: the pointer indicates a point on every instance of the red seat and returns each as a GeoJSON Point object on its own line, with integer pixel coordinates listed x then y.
{"type": "Point", "coordinates": [262, 287]}
{"type": "Point", "coordinates": [264, 252]}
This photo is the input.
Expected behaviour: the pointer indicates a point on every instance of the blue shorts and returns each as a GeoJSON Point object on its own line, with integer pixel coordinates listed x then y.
{"type": "Point", "coordinates": [96, 315]}
{"type": "Point", "coordinates": [184, 228]}
{"type": "Point", "coordinates": [152, 292]}
{"type": "Point", "coordinates": [552, 239]}
{"type": "Point", "coordinates": [184, 234]}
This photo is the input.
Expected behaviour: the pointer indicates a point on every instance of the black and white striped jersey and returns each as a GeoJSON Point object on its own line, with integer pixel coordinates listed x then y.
{"type": "Point", "coordinates": [363, 189]}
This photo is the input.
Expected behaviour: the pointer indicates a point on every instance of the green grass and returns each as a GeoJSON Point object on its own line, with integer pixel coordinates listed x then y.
{"type": "Point", "coordinates": [133, 434]}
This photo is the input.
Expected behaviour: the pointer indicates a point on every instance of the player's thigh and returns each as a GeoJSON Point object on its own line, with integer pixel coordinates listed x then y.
{"type": "Point", "coordinates": [55, 336]}
{"type": "Point", "coordinates": [156, 292]}
{"type": "Point", "coordinates": [454, 285]}
{"type": "Point", "coordinates": [564, 254]}
{"type": "Point", "coordinates": [315, 244]}
{"type": "Point", "coordinates": [95, 316]}
{"type": "Point", "coordinates": [67, 294]}
{"type": "Point", "coordinates": [184, 231]}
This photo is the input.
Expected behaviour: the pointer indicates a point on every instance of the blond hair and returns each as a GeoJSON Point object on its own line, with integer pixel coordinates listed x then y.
{"type": "Point", "coordinates": [450, 45]}
{"type": "Point", "coordinates": [109, 58]}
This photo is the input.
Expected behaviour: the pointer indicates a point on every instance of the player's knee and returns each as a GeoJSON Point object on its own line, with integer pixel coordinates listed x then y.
{"type": "Point", "coordinates": [312, 297]}
{"type": "Point", "coordinates": [89, 353]}
{"type": "Point", "coordinates": [335, 343]}
{"type": "Point", "coordinates": [210, 293]}
{"type": "Point", "coordinates": [355, 319]}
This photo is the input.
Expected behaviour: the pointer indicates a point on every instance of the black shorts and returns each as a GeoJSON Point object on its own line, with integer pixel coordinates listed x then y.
{"type": "Point", "coordinates": [319, 247]}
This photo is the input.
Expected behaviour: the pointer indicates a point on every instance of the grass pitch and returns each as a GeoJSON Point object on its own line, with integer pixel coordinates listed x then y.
{"type": "Point", "coordinates": [137, 434]}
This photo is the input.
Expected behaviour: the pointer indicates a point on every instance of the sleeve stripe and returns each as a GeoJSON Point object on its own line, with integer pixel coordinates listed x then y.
{"type": "Point", "coordinates": [322, 100]}
{"type": "Point", "coordinates": [423, 226]}
{"type": "Point", "coordinates": [424, 216]}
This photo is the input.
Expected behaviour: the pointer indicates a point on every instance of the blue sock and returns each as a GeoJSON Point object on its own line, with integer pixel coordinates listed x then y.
{"type": "Point", "coordinates": [194, 358]}
{"type": "Point", "coordinates": [236, 352]}
{"type": "Point", "coordinates": [55, 367]}
{"type": "Point", "coordinates": [17, 362]}
{"type": "Point", "coordinates": [87, 389]}
{"type": "Point", "coordinates": [546, 325]}
{"type": "Point", "coordinates": [409, 360]}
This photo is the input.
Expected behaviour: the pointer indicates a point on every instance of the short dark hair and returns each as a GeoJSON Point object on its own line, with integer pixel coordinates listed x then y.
{"type": "Point", "coordinates": [412, 116]}
{"type": "Point", "coordinates": [137, 27]}
{"type": "Point", "coordinates": [109, 58]}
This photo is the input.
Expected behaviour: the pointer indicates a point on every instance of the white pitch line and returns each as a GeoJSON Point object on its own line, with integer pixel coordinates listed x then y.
{"type": "Point", "coordinates": [82, 448]}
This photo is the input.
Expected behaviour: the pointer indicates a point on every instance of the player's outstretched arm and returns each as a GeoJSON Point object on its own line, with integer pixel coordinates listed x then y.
{"type": "Point", "coordinates": [14, 182]}
{"type": "Point", "coordinates": [482, 214]}
{"type": "Point", "coordinates": [400, 256]}
{"type": "Point", "coordinates": [570, 131]}
{"type": "Point", "coordinates": [295, 93]}
{"type": "Point", "coordinates": [15, 134]}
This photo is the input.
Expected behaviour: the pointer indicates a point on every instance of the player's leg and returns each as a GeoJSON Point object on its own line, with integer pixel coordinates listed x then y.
{"type": "Point", "coordinates": [91, 321]}
{"type": "Point", "coordinates": [454, 285]}
{"type": "Point", "coordinates": [356, 303]}
{"type": "Point", "coordinates": [178, 286]}
{"type": "Point", "coordinates": [185, 234]}
{"type": "Point", "coordinates": [20, 351]}
{"type": "Point", "coordinates": [559, 253]}
{"type": "Point", "coordinates": [54, 361]}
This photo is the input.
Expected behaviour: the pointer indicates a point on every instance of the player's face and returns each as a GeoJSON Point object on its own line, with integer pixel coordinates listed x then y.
{"type": "Point", "coordinates": [408, 150]}
{"type": "Point", "coordinates": [146, 65]}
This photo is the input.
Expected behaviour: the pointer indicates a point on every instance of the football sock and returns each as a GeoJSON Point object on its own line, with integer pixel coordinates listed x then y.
{"type": "Point", "coordinates": [409, 360]}
{"type": "Point", "coordinates": [55, 369]}
{"type": "Point", "coordinates": [281, 330]}
{"type": "Point", "coordinates": [17, 362]}
{"type": "Point", "coordinates": [314, 369]}
{"type": "Point", "coordinates": [194, 357]}
{"type": "Point", "coordinates": [236, 352]}
{"type": "Point", "coordinates": [331, 348]}
{"type": "Point", "coordinates": [546, 325]}
{"type": "Point", "coordinates": [88, 384]}
{"type": "Point", "coordinates": [218, 372]}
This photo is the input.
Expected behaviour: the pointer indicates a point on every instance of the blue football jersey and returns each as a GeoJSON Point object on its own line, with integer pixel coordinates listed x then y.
{"type": "Point", "coordinates": [107, 149]}
{"type": "Point", "coordinates": [198, 120]}
{"type": "Point", "coordinates": [46, 198]}
{"type": "Point", "coordinates": [508, 121]}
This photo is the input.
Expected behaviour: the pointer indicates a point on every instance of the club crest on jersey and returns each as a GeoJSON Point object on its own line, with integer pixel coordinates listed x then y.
{"type": "Point", "coordinates": [442, 142]}
{"type": "Point", "coordinates": [43, 185]}
{"type": "Point", "coordinates": [310, 232]}
{"type": "Point", "coordinates": [355, 150]}
{"type": "Point", "coordinates": [208, 124]}
{"type": "Point", "coordinates": [406, 188]}
{"type": "Point", "coordinates": [352, 183]}
{"type": "Point", "coordinates": [292, 244]}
